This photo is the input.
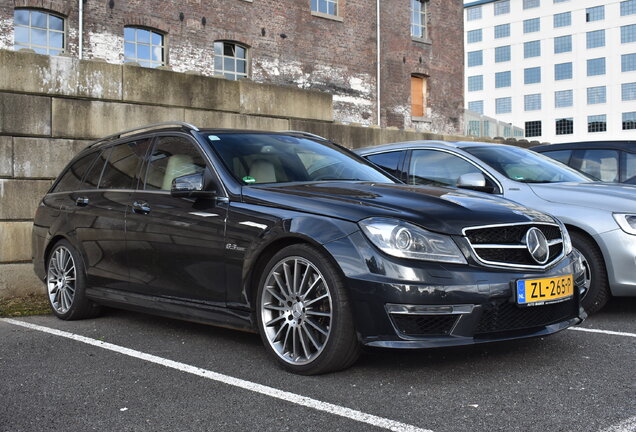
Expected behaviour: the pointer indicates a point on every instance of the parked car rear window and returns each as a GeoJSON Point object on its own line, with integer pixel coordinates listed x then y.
{"type": "Point", "coordinates": [600, 163]}
{"type": "Point", "coordinates": [526, 166]}
{"type": "Point", "coordinates": [387, 161]}
{"type": "Point", "coordinates": [270, 158]}
{"type": "Point", "coordinates": [72, 178]}
{"type": "Point", "coordinates": [630, 168]}
{"type": "Point", "coordinates": [562, 156]}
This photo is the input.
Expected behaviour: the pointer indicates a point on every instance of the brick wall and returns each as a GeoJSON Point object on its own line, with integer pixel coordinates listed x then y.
{"type": "Point", "coordinates": [290, 46]}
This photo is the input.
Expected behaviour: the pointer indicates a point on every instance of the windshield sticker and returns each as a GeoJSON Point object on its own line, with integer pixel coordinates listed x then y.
{"type": "Point", "coordinates": [214, 138]}
{"type": "Point", "coordinates": [248, 179]}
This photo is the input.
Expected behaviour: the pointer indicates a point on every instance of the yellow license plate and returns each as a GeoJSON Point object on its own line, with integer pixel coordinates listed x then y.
{"type": "Point", "coordinates": [546, 290]}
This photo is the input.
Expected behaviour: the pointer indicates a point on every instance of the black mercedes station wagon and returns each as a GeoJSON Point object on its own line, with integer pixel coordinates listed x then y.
{"type": "Point", "coordinates": [296, 238]}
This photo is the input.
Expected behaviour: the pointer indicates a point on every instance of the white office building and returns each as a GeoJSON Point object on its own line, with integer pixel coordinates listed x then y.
{"type": "Point", "coordinates": [565, 70]}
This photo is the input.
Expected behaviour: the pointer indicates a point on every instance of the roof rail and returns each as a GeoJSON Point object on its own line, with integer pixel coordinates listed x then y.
{"type": "Point", "coordinates": [140, 128]}
{"type": "Point", "coordinates": [307, 134]}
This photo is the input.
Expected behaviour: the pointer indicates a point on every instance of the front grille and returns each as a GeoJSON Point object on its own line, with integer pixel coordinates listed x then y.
{"type": "Point", "coordinates": [424, 325]}
{"type": "Point", "coordinates": [505, 316]}
{"type": "Point", "coordinates": [505, 245]}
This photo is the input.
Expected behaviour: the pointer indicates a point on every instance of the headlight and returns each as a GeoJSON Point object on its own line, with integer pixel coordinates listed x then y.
{"type": "Point", "coordinates": [567, 241]}
{"type": "Point", "coordinates": [405, 240]}
{"type": "Point", "coordinates": [626, 221]}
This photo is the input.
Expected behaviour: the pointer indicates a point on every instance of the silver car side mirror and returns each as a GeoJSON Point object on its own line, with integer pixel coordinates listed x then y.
{"type": "Point", "coordinates": [471, 181]}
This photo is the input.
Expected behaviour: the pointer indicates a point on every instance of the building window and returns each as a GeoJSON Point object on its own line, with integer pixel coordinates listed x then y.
{"type": "Point", "coordinates": [474, 128]}
{"type": "Point", "coordinates": [533, 129]}
{"type": "Point", "coordinates": [596, 95]}
{"type": "Point", "coordinates": [328, 7]}
{"type": "Point", "coordinates": [529, 4]}
{"type": "Point", "coordinates": [475, 83]}
{"type": "Point", "coordinates": [595, 39]}
{"type": "Point", "coordinates": [628, 7]}
{"type": "Point", "coordinates": [486, 128]}
{"type": "Point", "coordinates": [628, 91]}
{"type": "Point", "coordinates": [531, 49]}
{"type": "Point", "coordinates": [473, 13]}
{"type": "Point", "coordinates": [560, 1]}
{"type": "Point", "coordinates": [628, 62]}
{"type": "Point", "coordinates": [230, 60]}
{"type": "Point", "coordinates": [475, 58]}
{"type": "Point", "coordinates": [503, 105]}
{"type": "Point", "coordinates": [628, 33]}
{"type": "Point", "coordinates": [502, 54]}
{"type": "Point", "coordinates": [596, 66]}
{"type": "Point", "coordinates": [629, 120]}
{"type": "Point", "coordinates": [474, 36]}
{"type": "Point", "coordinates": [532, 102]}
{"type": "Point", "coordinates": [563, 98]}
{"type": "Point", "coordinates": [419, 19]}
{"type": "Point", "coordinates": [419, 91]}
{"type": "Point", "coordinates": [562, 44]}
{"type": "Point", "coordinates": [40, 31]}
{"type": "Point", "coordinates": [562, 71]}
{"type": "Point", "coordinates": [476, 106]}
{"type": "Point", "coordinates": [503, 79]}
{"type": "Point", "coordinates": [532, 75]}
{"type": "Point", "coordinates": [502, 31]}
{"type": "Point", "coordinates": [531, 25]}
{"type": "Point", "coordinates": [565, 126]}
{"type": "Point", "coordinates": [562, 19]}
{"type": "Point", "coordinates": [502, 7]}
{"type": "Point", "coordinates": [143, 46]}
{"type": "Point", "coordinates": [597, 123]}
{"type": "Point", "coordinates": [596, 13]}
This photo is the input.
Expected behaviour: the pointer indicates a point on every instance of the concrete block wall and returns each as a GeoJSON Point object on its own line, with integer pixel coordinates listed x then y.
{"type": "Point", "coordinates": [51, 107]}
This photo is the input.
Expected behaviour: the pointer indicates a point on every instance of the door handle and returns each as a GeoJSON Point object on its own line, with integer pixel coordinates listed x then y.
{"type": "Point", "coordinates": [141, 207]}
{"type": "Point", "coordinates": [81, 201]}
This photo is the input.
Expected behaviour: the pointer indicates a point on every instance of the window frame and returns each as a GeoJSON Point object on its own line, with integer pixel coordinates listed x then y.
{"type": "Point", "coordinates": [64, 32]}
{"type": "Point", "coordinates": [423, 25]}
{"type": "Point", "coordinates": [247, 59]}
{"type": "Point", "coordinates": [317, 13]}
{"type": "Point", "coordinates": [140, 61]}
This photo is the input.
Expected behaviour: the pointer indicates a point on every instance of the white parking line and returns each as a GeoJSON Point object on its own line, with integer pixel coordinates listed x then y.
{"type": "Point", "coordinates": [628, 425]}
{"type": "Point", "coordinates": [236, 382]}
{"type": "Point", "coordinates": [608, 332]}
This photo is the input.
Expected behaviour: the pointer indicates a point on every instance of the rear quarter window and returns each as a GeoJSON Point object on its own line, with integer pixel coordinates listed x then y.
{"type": "Point", "coordinates": [71, 179]}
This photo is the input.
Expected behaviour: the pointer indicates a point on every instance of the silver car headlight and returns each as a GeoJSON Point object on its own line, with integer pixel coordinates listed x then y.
{"type": "Point", "coordinates": [626, 221]}
{"type": "Point", "coordinates": [567, 241]}
{"type": "Point", "coordinates": [405, 240]}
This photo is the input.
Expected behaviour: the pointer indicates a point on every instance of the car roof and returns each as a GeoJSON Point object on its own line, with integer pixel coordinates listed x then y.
{"type": "Point", "coordinates": [425, 143]}
{"type": "Point", "coordinates": [622, 145]}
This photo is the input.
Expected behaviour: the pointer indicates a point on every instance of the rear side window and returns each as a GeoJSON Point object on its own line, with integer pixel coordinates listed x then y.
{"type": "Point", "coordinates": [123, 165]}
{"type": "Point", "coordinates": [600, 163]}
{"type": "Point", "coordinates": [387, 161]}
{"type": "Point", "coordinates": [562, 156]}
{"type": "Point", "coordinates": [172, 157]}
{"type": "Point", "coordinates": [629, 169]}
{"type": "Point", "coordinates": [72, 178]}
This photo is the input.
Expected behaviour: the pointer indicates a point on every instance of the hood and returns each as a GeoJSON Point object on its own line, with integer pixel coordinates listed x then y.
{"type": "Point", "coordinates": [614, 197]}
{"type": "Point", "coordinates": [438, 209]}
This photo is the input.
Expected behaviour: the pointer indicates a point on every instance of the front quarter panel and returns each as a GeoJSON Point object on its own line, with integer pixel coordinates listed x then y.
{"type": "Point", "coordinates": [253, 230]}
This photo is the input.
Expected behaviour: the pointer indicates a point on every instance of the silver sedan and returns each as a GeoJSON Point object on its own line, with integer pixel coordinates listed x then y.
{"type": "Point", "coordinates": [601, 217]}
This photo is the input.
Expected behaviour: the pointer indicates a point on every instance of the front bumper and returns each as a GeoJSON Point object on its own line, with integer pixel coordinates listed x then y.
{"type": "Point", "coordinates": [414, 304]}
{"type": "Point", "coordinates": [619, 250]}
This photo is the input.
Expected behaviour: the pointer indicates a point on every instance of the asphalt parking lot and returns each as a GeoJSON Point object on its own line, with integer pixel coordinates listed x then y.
{"type": "Point", "coordinates": [133, 372]}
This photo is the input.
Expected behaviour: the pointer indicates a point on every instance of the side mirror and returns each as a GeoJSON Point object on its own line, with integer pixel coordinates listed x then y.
{"type": "Point", "coordinates": [474, 181]}
{"type": "Point", "coordinates": [191, 185]}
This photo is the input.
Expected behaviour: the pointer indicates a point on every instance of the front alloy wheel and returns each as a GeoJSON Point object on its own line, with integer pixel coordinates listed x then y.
{"type": "Point", "coordinates": [303, 312]}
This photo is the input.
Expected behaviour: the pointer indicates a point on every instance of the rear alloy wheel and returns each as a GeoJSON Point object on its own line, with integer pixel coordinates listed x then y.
{"type": "Point", "coordinates": [65, 283]}
{"type": "Point", "coordinates": [303, 313]}
{"type": "Point", "coordinates": [597, 286]}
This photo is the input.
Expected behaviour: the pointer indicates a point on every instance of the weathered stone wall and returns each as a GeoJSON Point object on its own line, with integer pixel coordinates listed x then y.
{"type": "Point", "coordinates": [51, 107]}
{"type": "Point", "coordinates": [290, 45]}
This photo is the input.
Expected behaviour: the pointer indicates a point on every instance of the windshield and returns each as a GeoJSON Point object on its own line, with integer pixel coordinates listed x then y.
{"type": "Point", "coordinates": [256, 158]}
{"type": "Point", "coordinates": [526, 166]}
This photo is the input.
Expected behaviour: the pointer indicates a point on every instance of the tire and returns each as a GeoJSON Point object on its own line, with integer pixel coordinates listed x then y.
{"type": "Point", "coordinates": [66, 284]}
{"type": "Point", "coordinates": [597, 293]}
{"type": "Point", "coordinates": [303, 313]}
